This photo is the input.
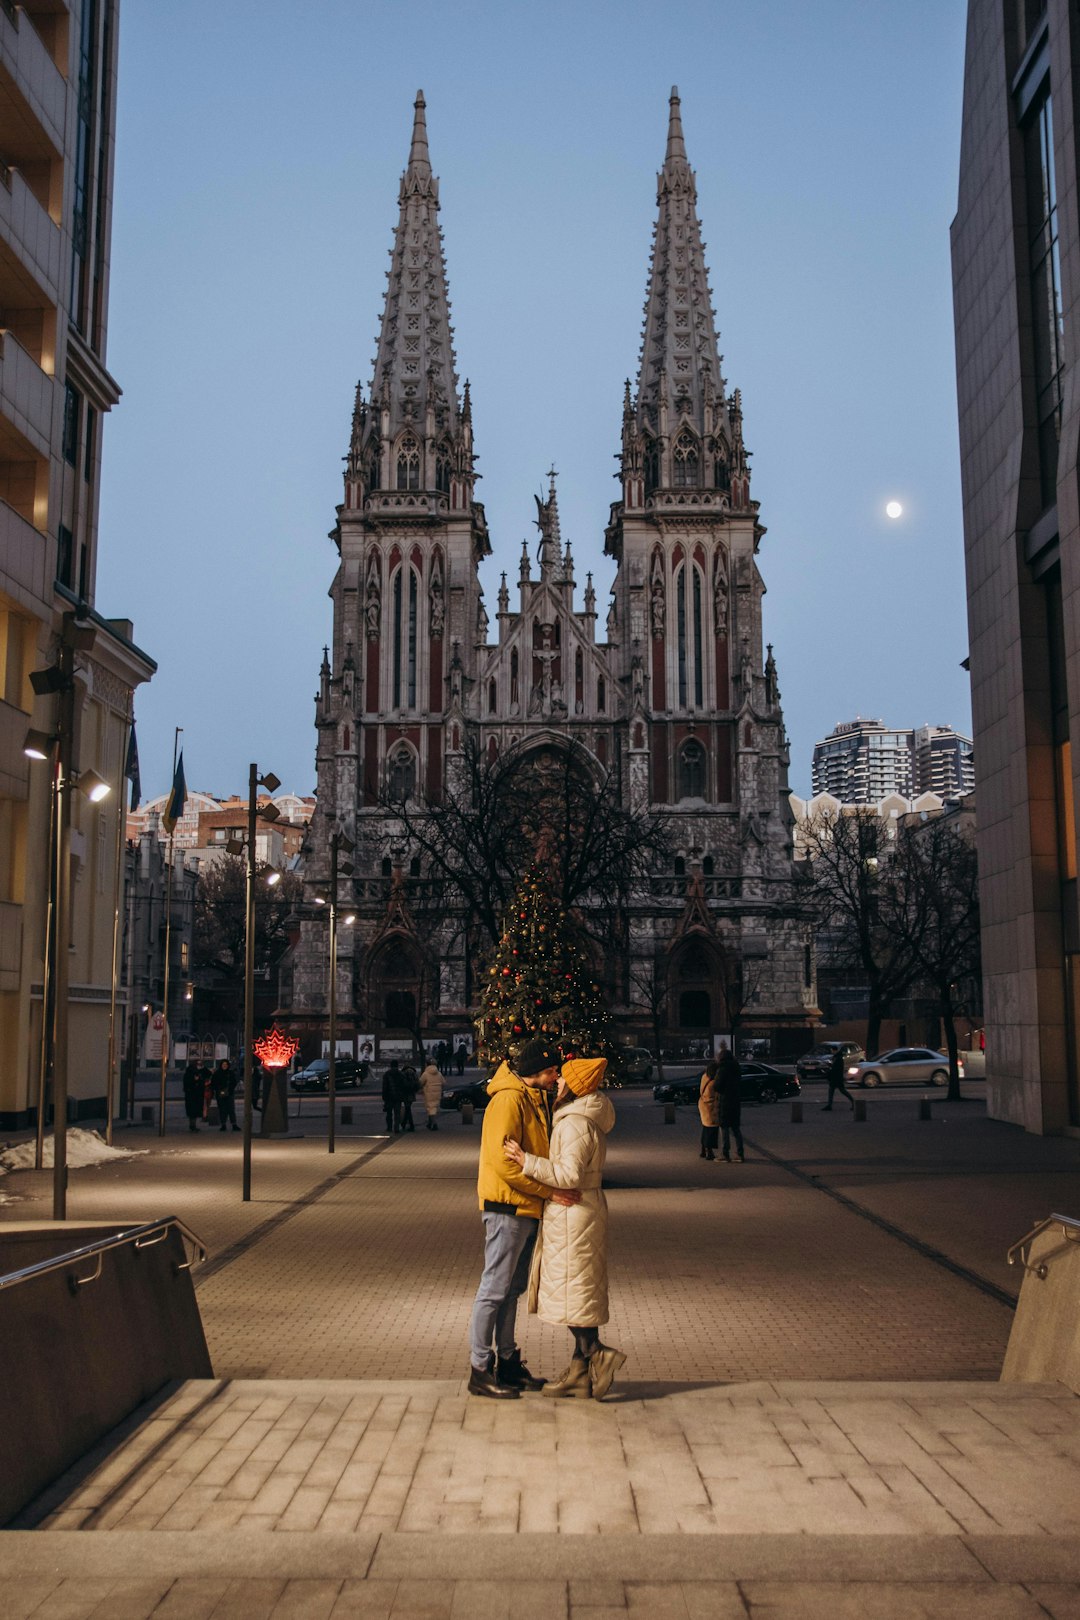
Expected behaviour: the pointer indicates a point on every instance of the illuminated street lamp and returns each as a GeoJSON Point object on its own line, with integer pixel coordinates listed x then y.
{"type": "Point", "coordinates": [269, 812]}
{"type": "Point", "coordinates": [340, 843]}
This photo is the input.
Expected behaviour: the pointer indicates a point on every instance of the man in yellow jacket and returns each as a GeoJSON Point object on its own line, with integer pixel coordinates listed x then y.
{"type": "Point", "coordinates": [511, 1204]}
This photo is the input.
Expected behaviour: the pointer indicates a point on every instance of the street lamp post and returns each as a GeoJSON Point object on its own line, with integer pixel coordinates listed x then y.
{"type": "Point", "coordinates": [339, 843]}
{"type": "Point", "coordinates": [271, 783]}
{"type": "Point", "coordinates": [76, 636]}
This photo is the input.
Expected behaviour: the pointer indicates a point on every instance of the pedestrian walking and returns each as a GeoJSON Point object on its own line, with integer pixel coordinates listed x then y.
{"type": "Point", "coordinates": [568, 1282]}
{"type": "Point", "coordinates": [193, 1094]}
{"type": "Point", "coordinates": [225, 1079]}
{"type": "Point", "coordinates": [431, 1085]}
{"type": "Point", "coordinates": [511, 1204]}
{"type": "Point", "coordinates": [460, 1056]}
{"type": "Point", "coordinates": [835, 1078]}
{"type": "Point", "coordinates": [409, 1087]}
{"type": "Point", "coordinates": [709, 1110]}
{"type": "Point", "coordinates": [729, 1084]}
{"type": "Point", "coordinates": [391, 1097]}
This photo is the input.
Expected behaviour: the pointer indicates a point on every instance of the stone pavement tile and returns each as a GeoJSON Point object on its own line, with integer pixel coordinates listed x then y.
{"type": "Point", "coordinates": [887, 1600]}
{"type": "Point", "coordinates": [131, 1600]}
{"type": "Point", "coordinates": [1027, 1558]}
{"type": "Point", "coordinates": [650, 1601]}
{"type": "Point", "coordinates": [597, 1594]}
{"type": "Point", "coordinates": [713, 1600]}
{"type": "Point", "coordinates": [422, 1600]}
{"type": "Point", "coordinates": [21, 1601]}
{"type": "Point", "coordinates": [307, 1600]}
{"type": "Point", "coordinates": [249, 1600]}
{"type": "Point", "coordinates": [191, 1598]}
{"type": "Point", "coordinates": [74, 1599]}
{"type": "Point", "coordinates": [1060, 1600]}
{"type": "Point", "coordinates": [365, 1600]}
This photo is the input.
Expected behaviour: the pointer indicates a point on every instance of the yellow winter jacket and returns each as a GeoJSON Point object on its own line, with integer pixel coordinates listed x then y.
{"type": "Point", "coordinates": [518, 1110]}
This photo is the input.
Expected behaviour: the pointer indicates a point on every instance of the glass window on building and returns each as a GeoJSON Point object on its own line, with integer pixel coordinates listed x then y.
{"type": "Point", "coordinates": [1044, 263]}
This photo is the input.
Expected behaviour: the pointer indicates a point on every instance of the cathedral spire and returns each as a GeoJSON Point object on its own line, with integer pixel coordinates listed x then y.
{"type": "Point", "coordinates": [415, 378]}
{"type": "Point", "coordinates": [676, 146]}
{"type": "Point", "coordinates": [419, 169]}
{"type": "Point", "coordinates": [679, 347]}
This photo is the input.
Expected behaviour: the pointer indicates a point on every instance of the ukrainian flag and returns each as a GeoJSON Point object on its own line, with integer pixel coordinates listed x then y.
{"type": "Point", "coordinates": [174, 808]}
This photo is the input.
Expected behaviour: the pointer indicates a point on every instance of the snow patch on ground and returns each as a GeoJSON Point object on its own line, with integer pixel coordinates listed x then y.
{"type": "Point", "coordinates": [83, 1148]}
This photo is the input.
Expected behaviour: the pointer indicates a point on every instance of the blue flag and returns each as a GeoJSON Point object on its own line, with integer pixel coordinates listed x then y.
{"type": "Point", "coordinates": [131, 769]}
{"type": "Point", "coordinates": [174, 809]}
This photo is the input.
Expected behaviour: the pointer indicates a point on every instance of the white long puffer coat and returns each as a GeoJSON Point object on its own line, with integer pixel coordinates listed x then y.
{"type": "Point", "coordinates": [568, 1281]}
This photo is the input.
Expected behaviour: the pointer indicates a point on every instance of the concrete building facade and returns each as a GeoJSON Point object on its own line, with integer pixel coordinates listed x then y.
{"type": "Point", "coordinates": [861, 761]}
{"type": "Point", "coordinates": [1016, 288]}
{"type": "Point", "coordinates": [677, 695]}
{"type": "Point", "coordinates": [57, 122]}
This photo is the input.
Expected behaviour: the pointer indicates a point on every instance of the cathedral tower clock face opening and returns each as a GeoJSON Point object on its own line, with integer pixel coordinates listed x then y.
{"type": "Point", "coordinates": [670, 693]}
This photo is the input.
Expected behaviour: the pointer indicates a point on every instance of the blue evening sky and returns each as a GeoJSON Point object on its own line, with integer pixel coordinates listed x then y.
{"type": "Point", "coordinates": [260, 146]}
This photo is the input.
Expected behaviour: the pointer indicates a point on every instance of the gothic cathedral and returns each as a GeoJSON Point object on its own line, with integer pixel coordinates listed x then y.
{"type": "Point", "coordinates": [679, 699]}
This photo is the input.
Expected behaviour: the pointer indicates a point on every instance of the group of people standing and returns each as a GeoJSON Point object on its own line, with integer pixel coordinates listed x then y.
{"type": "Point", "coordinates": [720, 1106]}
{"type": "Point", "coordinates": [445, 1056]}
{"type": "Point", "coordinates": [400, 1086]}
{"type": "Point", "coordinates": [204, 1085]}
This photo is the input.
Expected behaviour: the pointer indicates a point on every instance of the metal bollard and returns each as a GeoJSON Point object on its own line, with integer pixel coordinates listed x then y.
{"type": "Point", "coordinates": [924, 1108]}
{"type": "Point", "coordinates": [466, 1113]}
{"type": "Point", "coordinates": [796, 1112]}
{"type": "Point", "coordinates": [860, 1111]}
{"type": "Point", "coordinates": [669, 1113]}
{"type": "Point", "coordinates": [346, 1114]}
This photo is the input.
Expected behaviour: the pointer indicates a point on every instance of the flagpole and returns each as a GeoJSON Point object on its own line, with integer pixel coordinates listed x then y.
{"type": "Point", "coordinates": [168, 940]}
{"type": "Point", "coordinates": [121, 817]}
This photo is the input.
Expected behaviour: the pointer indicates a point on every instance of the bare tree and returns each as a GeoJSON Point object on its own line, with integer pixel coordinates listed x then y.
{"type": "Point", "coordinates": [477, 837]}
{"type": "Point", "coordinates": [649, 989]}
{"type": "Point", "coordinates": [739, 985]}
{"type": "Point", "coordinates": [861, 906]}
{"type": "Point", "coordinates": [937, 872]}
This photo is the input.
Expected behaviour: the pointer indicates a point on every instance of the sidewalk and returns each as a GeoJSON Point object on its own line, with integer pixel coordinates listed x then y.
{"type": "Point", "coordinates": [808, 1424]}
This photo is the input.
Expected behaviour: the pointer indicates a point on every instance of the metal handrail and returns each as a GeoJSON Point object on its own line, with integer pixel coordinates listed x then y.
{"type": "Point", "coordinates": [1070, 1231]}
{"type": "Point", "coordinates": [140, 1237]}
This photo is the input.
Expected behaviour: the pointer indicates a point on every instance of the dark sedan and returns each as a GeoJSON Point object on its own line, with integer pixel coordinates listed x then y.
{"type": "Point", "coordinates": [348, 1074]}
{"type": "Point", "coordinates": [473, 1091]}
{"type": "Point", "coordinates": [761, 1083]}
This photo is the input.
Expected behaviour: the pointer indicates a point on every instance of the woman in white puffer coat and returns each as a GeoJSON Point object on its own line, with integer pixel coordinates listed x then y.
{"type": "Point", "coordinates": [568, 1282]}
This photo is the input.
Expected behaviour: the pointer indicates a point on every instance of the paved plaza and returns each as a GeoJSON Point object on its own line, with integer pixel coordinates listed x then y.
{"type": "Point", "coordinates": [809, 1420]}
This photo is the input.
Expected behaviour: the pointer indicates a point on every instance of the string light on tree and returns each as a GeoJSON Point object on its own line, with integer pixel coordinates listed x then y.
{"type": "Point", "coordinates": [541, 980]}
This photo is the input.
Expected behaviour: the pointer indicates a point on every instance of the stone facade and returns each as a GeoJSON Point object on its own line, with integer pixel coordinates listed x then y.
{"type": "Point", "coordinates": [1016, 280]}
{"type": "Point", "coordinates": [678, 699]}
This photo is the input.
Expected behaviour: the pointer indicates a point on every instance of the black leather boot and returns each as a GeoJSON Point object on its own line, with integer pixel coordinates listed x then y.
{"type": "Point", "coordinates": [512, 1372]}
{"type": "Point", "coordinates": [485, 1383]}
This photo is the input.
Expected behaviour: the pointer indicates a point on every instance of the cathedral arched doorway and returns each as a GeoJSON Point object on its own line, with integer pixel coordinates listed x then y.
{"type": "Point", "coordinates": [694, 986]}
{"type": "Point", "coordinates": [395, 985]}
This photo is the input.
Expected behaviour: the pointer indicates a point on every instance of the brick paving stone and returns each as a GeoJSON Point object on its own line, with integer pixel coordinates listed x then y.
{"type": "Point", "coordinates": [800, 1600]}
{"type": "Point", "coordinates": [1060, 1602]}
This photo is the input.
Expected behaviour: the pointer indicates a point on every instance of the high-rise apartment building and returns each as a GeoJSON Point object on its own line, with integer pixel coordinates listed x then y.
{"type": "Point", "coordinates": [57, 119]}
{"type": "Point", "coordinates": [1016, 286]}
{"type": "Point", "coordinates": [673, 695]}
{"type": "Point", "coordinates": [861, 761]}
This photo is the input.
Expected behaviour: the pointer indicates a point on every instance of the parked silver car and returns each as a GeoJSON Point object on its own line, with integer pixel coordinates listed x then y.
{"type": "Point", "coordinates": [913, 1065]}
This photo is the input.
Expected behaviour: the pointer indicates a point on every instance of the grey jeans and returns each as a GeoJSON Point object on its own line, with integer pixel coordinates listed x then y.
{"type": "Point", "coordinates": [509, 1241]}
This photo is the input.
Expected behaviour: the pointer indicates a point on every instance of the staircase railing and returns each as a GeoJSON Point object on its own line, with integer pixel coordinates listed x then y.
{"type": "Point", "coordinates": [1069, 1230]}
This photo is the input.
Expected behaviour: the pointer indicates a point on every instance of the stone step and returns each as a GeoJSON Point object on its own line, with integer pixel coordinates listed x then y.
{"type": "Point", "coordinates": [365, 1458]}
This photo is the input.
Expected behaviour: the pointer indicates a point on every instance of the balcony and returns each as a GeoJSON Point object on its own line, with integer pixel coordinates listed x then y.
{"type": "Point", "coordinates": [407, 505]}
{"type": "Point", "coordinates": [32, 88]}
{"type": "Point", "coordinates": [29, 234]}
{"type": "Point", "coordinates": [24, 574]}
{"type": "Point", "coordinates": [26, 393]}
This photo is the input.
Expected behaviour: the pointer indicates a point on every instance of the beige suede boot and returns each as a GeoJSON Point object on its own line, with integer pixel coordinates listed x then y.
{"type": "Point", "coordinates": [575, 1381]}
{"type": "Point", "coordinates": [603, 1366]}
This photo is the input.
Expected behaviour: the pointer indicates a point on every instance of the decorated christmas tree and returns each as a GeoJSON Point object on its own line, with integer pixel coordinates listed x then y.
{"type": "Point", "coordinates": [540, 981]}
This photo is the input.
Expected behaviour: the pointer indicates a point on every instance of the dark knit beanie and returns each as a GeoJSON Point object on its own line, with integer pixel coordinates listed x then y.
{"type": "Point", "coordinates": [535, 1056]}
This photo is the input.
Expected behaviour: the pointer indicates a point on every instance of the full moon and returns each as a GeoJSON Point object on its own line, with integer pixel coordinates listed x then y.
{"type": "Point", "coordinates": [894, 509]}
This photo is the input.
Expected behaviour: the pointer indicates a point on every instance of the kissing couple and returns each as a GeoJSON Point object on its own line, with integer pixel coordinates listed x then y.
{"type": "Point", "coordinates": [542, 1152]}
